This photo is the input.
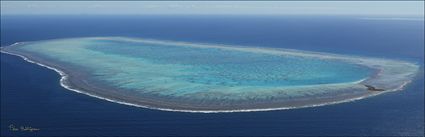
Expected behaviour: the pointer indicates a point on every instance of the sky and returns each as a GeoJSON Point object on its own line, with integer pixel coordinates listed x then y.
{"type": "Point", "coordinates": [398, 8]}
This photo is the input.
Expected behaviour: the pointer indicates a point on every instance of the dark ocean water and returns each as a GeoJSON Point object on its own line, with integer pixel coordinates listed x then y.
{"type": "Point", "coordinates": [31, 95]}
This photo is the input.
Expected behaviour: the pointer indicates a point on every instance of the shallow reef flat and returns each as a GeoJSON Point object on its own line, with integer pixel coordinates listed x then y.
{"type": "Point", "coordinates": [192, 77]}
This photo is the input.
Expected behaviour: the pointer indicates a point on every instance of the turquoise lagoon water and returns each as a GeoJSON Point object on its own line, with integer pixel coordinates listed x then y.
{"type": "Point", "coordinates": [212, 77]}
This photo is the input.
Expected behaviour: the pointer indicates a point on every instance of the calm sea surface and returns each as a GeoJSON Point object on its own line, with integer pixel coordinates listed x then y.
{"type": "Point", "coordinates": [31, 95]}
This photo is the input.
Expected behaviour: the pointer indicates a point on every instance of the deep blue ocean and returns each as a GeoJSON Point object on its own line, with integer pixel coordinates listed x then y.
{"type": "Point", "coordinates": [31, 95]}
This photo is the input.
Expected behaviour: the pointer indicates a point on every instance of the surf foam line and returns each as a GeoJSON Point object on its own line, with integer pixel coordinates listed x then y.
{"type": "Point", "coordinates": [64, 78]}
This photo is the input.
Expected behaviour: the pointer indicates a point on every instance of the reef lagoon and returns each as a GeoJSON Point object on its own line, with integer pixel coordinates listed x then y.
{"type": "Point", "coordinates": [200, 77]}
